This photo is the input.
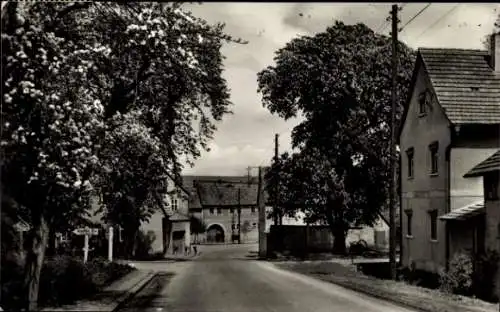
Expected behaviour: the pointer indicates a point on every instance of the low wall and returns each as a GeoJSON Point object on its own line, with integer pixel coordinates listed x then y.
{"type": "Point", "coordinates": [299, 239]}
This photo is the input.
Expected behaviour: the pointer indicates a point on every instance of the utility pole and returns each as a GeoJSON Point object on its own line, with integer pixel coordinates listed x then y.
{"type": "Point", "coordinates": [239, 215]}
{"type": "Point", "coordinates": [262, 218]}
{"type": "Point", "coordinates": [276, 186]}
{"type": "Point", "coordinates": [392, 206]}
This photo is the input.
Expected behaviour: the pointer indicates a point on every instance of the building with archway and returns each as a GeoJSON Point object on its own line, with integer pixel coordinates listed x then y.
{"type": "Point", "coordinates": [227, 206]}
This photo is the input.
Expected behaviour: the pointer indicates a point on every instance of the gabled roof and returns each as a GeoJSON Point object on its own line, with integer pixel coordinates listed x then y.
{"type": "Point", "coordinates": [491, 163]}
{"type": "Point", "coordinates": [188, 182]}
{"type": "Point", "coordinates": [226, 194]}
{"type": "Point", "coordinates": [466, 86]}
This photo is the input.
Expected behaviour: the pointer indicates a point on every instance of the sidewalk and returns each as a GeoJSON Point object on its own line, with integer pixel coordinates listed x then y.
{"type": "Point", "coordinates": [112, 296]}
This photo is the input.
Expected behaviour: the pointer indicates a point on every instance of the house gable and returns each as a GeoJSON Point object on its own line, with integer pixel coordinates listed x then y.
{"type": "Point", "coordinates": [421, 85]}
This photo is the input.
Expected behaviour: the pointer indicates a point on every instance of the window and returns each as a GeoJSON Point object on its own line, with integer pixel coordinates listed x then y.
{"type": "Point", "coordinates": [231, 210]}
{"type": "Point", "coordinates": [433, 149]}
{"type": "Point", "coordinates": [174, 204]}
{"type": "Point", "coordinates": [423, 102]}
{"type": "Point", "coordinates": [219, 211]}
{"type": "Point", "coordinates": [253, 209]}
{"type": "Point", "coordinates": [212, 212]}
{"type": "Point", "coordinates": [433, 216]}
{"type": "Point", "coordinates": [409, 216]}
{"type": "Point", "coordinates": [409, 153]}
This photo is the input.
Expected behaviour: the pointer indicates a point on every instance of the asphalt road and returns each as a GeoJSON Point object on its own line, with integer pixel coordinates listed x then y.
{"type": "Point", "coordinates": [225, 279]}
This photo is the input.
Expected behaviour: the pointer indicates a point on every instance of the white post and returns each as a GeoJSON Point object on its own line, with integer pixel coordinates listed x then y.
{"type": "Point", "coordinates": [86, 248]}
{"type": "Point", "coordinates": [110, 244]}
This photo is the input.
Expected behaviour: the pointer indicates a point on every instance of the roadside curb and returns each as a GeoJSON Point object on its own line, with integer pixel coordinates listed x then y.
{"type": "Point", "coordinates": [133, 291]}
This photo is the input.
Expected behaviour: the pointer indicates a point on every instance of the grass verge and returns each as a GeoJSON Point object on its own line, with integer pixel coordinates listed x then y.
{"type": "Point", "coordinates": [399, 292]}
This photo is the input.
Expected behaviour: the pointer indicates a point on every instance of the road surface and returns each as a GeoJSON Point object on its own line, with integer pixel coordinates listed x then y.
{"type": "Point", "coordinates": [225, 279]}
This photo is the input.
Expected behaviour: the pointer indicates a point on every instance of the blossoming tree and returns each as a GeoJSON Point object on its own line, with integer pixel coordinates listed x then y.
{"type": "Point", "coordinates": [95, 91]}
{"type": "Point", "coordinates": [50, 115]}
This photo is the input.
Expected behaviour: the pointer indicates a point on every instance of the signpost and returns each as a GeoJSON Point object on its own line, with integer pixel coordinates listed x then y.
{"type": "Point", "coordinates": [86, 231]}
{"type": "Point", "coordinates": [21, 227]}
{"type": "Point", "coordinates": [110, 244]}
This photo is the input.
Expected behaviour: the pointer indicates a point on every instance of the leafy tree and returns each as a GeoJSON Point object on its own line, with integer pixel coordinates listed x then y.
{"type": "Point", "coordinates": [496, 30]}
{"type": "Point", "coordinates": [50, 115]}
{"type": "Point", "coordinates": [134, 172]}
{"type": "Point", "coordinates": [166, 69]}
{"type": "Point", "coordinates": [77, 76]}
{"type": "Point", "coordinates": [340, 82]}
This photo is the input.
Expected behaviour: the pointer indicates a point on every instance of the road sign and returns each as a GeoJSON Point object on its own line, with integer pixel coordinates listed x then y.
{"type": "Point", "coordinates": [22, 226]}
{"type": "Point", "coordinates": [86, 231]}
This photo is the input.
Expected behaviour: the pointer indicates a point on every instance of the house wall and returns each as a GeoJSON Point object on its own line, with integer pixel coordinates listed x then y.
{"type": "Point", "coordinates": [367, 233]}
{"type": "Point", "coordinates": [155, 225]}
{"type": "Point", "coordinates": [225, 220]}
{"type": "Point", "coordinates": [465, 191]}
{"type": "Point", "coordinates": [492, 208]}
{"type": "Point", "coordinates": [423, 191]}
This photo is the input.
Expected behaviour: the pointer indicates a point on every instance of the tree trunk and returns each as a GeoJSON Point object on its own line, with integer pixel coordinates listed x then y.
{"type": "Point", "coordinates": [339, 245]}
{"type": "Point", "coordinates": [339, 232]}
{"type": "Point", "coordinates": [36, 245]}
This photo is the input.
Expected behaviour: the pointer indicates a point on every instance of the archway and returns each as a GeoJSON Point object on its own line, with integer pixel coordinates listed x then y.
{"type": "Point", "coordinates": [215, 234]}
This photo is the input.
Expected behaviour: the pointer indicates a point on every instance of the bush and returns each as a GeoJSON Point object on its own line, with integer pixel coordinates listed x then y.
{"type": "Point", "coordinates": [12, 271]}
{"type": "Point", "coordinates": [458, 278]}
{"type": "Point", "coordinates": [63, 280]}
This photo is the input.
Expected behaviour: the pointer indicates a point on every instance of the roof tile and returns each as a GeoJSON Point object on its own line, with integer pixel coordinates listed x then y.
{"type": "Point", "coordinates": [491, 163]}
{"type": "Point", "coordinates": [466, 86]}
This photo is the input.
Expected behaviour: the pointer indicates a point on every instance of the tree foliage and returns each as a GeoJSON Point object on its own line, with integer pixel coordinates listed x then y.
{"type": "Point", "coordinates": [340, 82]}
{"type": "Point", "coordinates": [103, 99]}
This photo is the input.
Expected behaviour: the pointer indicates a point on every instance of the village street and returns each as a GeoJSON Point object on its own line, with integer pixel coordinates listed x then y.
{"type": "Point", "coordinates": [226, 278]}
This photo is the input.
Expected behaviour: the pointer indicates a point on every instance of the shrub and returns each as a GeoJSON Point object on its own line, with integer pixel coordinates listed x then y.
{"type": "Point", "coordinates": [12, 274]}
{"type": "Point", "coordinates": [63, 280]}
{"type": "Point", "coordinates": [458, 278]}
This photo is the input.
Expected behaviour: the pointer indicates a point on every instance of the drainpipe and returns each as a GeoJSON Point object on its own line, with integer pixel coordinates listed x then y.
{"type": "Point", "coordinates": [448, 197]}
{"type": "Point", "coordinates": [401, 234]}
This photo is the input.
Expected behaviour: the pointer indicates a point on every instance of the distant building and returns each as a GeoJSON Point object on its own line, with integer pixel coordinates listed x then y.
{"type": "Point", "coordinates": [217, 201]}
{"type": "Point", "coordinates": [450, 123]}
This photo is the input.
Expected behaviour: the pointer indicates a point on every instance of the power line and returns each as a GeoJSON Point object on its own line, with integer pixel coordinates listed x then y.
{"type": "Point", "coordinates": [438, 20]}
{"type": "Point", "coordinates": [415, 16]}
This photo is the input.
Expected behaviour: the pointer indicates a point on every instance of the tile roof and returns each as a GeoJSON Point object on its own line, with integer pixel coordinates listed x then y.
{"type": "Point", "coordinates": [491, 163]}
{"type": "Point", "coordinates": [194, 199]}
{"type": "Point", "coordinates": [466, 86]}
{"type": "Point", "coordinates": [464, 213]}
{"type": "Point", "coordinates": [226, 194]}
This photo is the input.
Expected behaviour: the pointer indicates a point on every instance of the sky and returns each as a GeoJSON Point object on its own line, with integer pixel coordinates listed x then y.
{"type": "Point", "coordinates": [246, 138]}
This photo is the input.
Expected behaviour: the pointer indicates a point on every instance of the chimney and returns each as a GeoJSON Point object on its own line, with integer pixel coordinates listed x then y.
{"type": "Point", "coordinates": [495, 51]}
